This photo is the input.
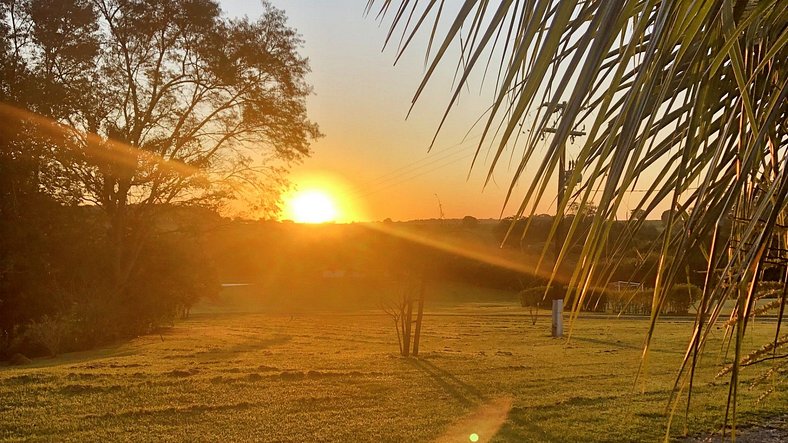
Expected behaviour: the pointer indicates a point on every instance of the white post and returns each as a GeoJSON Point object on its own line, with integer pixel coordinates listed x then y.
{"type": "Point", "coordinates": [558, 319]}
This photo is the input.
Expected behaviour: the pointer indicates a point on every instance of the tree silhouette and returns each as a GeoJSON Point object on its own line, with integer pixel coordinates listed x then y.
{"type": "Point", "coordinates": [153, 103]}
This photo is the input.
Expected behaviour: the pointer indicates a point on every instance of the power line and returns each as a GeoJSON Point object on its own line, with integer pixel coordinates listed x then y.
{"type": "Point", "coordinates": [412, 177]}
{"type": "Point", "coordinates": [453, 154]}
{"type": "Point", "coordinates": [438, 156]}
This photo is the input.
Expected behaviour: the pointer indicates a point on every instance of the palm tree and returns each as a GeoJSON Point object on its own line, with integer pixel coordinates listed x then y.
{"type": "Point", "coordinates": [687, 100]}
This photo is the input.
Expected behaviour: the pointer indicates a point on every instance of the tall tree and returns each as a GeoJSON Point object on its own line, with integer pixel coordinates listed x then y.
{"type": "Point", "coordinates": [157, 102]}
{"type": "Point", "coordinates": [686, 99]}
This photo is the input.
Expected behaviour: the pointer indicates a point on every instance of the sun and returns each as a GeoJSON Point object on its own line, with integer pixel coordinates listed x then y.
{"type": "Point", "coordinates": [312, 206]}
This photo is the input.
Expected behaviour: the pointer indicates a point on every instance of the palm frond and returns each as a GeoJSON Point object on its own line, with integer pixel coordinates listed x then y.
{"type": "Point", "coordinates": [689, 97]}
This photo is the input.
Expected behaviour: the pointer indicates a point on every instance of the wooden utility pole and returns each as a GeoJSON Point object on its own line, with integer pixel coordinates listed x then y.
{"type": "Point", "coordinates": [557, 324]}
{"type": "Point", "coordinates": [557, 328]}
{"type": "Point", "coordinates": [559, 213]}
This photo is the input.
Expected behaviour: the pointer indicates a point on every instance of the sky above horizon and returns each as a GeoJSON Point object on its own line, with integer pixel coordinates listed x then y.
{"type": "Point", "coordinates": [374, 161]}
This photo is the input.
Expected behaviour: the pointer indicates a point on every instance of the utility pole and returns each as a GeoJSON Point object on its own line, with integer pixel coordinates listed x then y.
{"type": "Point", "coordinates": [557, 326]}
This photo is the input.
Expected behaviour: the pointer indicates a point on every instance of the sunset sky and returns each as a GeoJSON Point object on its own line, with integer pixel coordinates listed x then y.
{"type": "Point", "coordinates": [373, 160]}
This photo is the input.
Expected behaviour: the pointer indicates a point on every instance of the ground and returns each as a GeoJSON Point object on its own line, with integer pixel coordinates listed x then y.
{"type": "Point", "coordinates": [484, 370]}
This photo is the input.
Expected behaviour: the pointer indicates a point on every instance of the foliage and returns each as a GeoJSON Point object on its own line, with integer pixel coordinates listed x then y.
{"type": "Point", "coordinates": [687, 99]}
{"type": "Point", "coordinates": [680, 297]}
{"type": "Point", "coordinates": [679, 300]}
{"type": "Point", "coordinates": [113, 112]}
{"type": "Point", "coordinates": [150, 103]}
{"type": "Point", "coordinates": [533, 297]}
{"type": "Point", "coordinates": [178, 269]}
{"type": "Point", "coordinates": [469, 222]}
{"type": "Point", "coordinates": [298, 255]}
{"type": "Point", "coordinates": [156, 100]}
{"type": "Point", "coordinates": [540, 296]}
{"type": "Point", "coordinates": [73, 307]}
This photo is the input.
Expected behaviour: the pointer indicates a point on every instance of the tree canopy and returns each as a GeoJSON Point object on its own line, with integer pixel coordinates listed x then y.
{"type": "Point", "coordinates": [156, 101]}
{"type": "Point", "coordinates": [135, 107]}
{"type": "Point", "coordinates": [148, 103]}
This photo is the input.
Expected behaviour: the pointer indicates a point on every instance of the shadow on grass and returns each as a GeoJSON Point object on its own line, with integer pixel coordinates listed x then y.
{"type": "Point", "coordinates": [92, 357]}
{"type": "Point", "coordinates": [249, 345]}
{"type": "Point", "coordinates": [117, 348]}
{"type": "Point", "coordinates": [458, 389]}
{"type": "Point", "coordinates": [613, 343]}
{"type": "Point", "coordinates": [623, 345]}
{"type": "Point", "coordinates": [72, 358]}
{"type": "Point", "coordinates": [522, 425]}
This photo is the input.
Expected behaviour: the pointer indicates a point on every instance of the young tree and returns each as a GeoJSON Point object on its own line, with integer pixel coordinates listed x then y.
{"type": "Point", "coordinates": [157, 102]}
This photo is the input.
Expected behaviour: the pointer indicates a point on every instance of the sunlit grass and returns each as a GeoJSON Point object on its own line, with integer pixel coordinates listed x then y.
{"type": "Point", "coordinates": [307, 377]}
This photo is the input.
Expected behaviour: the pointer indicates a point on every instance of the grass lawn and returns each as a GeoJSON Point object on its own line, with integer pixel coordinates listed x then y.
{"type": "Point", "coordinates": [484, 369]}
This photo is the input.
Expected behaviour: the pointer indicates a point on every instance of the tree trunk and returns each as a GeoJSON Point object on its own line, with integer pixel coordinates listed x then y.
{"type": "Point", "coordinates": [124, 233]}
{"type": "Point", "coordinates": [408, 323]}
{"type": "Point", "coordinates": [419, 317]}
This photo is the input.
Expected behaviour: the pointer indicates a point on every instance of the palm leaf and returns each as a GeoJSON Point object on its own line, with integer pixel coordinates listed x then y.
{"type": "Point", "coordinates": [688, 97]}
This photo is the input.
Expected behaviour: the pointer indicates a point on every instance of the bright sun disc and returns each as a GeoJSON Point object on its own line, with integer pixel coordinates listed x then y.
{"type": "Point", "coordinates": [312, 207]}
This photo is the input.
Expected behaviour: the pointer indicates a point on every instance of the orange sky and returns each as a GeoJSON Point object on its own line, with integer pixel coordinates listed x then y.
{"type": "Point", "coordinates": [371, 156]}
{"type": "Point", "coordinates": [374, 160]}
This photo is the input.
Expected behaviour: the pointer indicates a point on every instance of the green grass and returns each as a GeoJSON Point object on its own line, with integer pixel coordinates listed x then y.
{"type": "Point", "coordinates": [319, 377]}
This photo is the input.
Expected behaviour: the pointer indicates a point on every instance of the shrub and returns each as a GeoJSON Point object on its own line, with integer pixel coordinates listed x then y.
{"type": "Point", "coordinates": [48, 332]}
{"type": "Point", "coordinates": [595, 300]}
{"type": "Point", "coordinates": [770, 289]}
{"type": "Point", "coordinates": [19, 360]}
{"type": "Point", "coordinates": [533, 297]}
{"type": "Point", "coordinates": [46, 336]}
{"type": "Point", "coordinates": [680, 297]}
{"type": "Point", "coordinates": [678, 300]}
{"type": "Point", "coordinates": [171, 276]}
{"type": "Point", "coordinates": [637, 302]}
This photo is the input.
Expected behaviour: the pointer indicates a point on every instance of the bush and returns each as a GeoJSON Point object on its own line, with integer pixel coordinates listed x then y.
{"type": "Point", "coordinates": [19, 360]}
{"type": "Point", "coordinates": [595, 300]}
{"type": "Point", "coordinates": [533, 297]}
{"type": "Point", "coordinates": [679, 298]}
{"type": "Point", "coordinates": [636, 302]}
{"type": "Point", "coordinates": [770, 289]}
{"type": "Point", "coordinates": [48, 332]}
{"type": "Point", "coordinates": [171, 276]}
{"type": "Point", "coordinates": [44, 337]}
{"type": "Point", "coordinates": [58, 295]}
